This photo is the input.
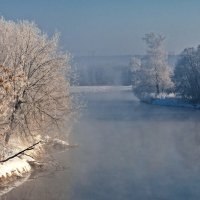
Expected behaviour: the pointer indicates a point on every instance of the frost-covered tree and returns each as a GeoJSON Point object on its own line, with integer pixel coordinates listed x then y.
{"type": "Point", "coordinates": [135, 67]}
{"type": "Point", "coordinates": [152, 74]}
{"type": "Point", "coordinates": [157, 69]}
{"type": "Point", "coordinates": [140, 77]}
{"type": "Point", "coordinates": [34, 81]}
{"type": "Point", "coordinates": [187, 74]}
{"type": "Point", "coordinates": [141, 82]}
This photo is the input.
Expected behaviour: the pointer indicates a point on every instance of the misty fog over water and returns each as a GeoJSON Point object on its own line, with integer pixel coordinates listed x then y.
{"type": "Point", "coordinates": [107, 70]}
{"type": "Point", "coordinates": [127, 150]}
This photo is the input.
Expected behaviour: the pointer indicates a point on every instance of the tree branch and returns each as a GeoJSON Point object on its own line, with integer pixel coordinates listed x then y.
{"type": "Point", "coordinates": [20, 152]}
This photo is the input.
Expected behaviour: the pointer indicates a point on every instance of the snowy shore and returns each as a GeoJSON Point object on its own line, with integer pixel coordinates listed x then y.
{"type": "Point", "coordinates": [175, 103]}
{"type": "Point", "coordinates": [169, 100]}
{"type": "Point", "coordinates": [17, 169]}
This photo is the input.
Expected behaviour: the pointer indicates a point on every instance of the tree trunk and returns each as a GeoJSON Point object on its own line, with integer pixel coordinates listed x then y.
{"type": "Point", "coordinates": [157, 85]}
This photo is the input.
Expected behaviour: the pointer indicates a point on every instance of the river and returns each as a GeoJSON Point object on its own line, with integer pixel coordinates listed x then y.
{"type": "Point", "coordinates": [127, 150]}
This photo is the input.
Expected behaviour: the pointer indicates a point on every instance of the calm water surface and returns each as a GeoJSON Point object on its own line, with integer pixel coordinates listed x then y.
{"type": "Point", "coordinates": [128, 150]}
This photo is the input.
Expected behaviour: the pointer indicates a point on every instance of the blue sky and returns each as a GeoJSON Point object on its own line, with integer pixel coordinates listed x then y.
{"type": "Point", "coordinates": [111, 27]}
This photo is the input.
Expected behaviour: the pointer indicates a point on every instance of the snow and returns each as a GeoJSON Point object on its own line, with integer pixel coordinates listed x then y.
{"type": "Point", "coordinates": [55, 144]}
{"type": "Point", "coordinates": [16, 166]}
{"type": "Point", "coordinates": [22, 164]}
{"type": "Point", "coordinates": [174, 102]}
{"type": "Point", "coordinates": [18, 182]}
{"type": "Point", "coordinates": [164, 99]}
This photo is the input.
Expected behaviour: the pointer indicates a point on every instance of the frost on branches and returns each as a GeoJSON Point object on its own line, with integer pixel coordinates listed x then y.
{"type": "Point", "coordinates": [187, 75]}
{"type": "Point", "coordinates": [34, 82]}
{"type": "Point", "coordinates": [152, 73]}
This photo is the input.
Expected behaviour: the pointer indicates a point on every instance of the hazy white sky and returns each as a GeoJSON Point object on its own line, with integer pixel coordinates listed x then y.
{"type": "Point", "coordinates": [111, 27]}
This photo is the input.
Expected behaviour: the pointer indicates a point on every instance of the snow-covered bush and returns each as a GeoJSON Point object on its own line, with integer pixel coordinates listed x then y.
{"type": "Point", "coordinates": [187, 74]}
{"type": "Point", "coordinates": [152, 74]}
{"type": "Point", "coordinates": [34, 81]}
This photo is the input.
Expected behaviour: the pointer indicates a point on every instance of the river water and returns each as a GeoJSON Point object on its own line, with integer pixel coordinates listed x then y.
{"type": "Point", "coordinates": [127, 150]}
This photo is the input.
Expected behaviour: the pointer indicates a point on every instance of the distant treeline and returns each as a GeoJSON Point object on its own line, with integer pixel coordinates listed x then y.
{"type": "Point", "coordinates": [105, 70]}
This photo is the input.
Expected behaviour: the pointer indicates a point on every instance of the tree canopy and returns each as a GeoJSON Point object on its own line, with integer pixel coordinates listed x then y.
{"type": "Point", "coordinates": [34, 81]}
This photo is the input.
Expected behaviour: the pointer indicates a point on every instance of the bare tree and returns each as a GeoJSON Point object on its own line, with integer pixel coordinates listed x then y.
{"type": "Point", "coordinates": [34, 81]}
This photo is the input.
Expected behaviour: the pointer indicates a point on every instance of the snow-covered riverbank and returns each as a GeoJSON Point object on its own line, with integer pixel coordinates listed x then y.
{"type": "Point", "coordinates": [17, 169]}
{"type": "Point", "coordinates": [175, 103]}
{"type": "Point", "coordinates": [14, 167]}
{"type": "Point", "coordinates": [169, 100]}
